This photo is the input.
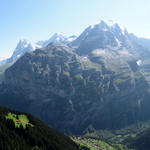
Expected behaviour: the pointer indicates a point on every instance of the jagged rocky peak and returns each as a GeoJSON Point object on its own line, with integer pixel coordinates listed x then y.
{"type": "Point", "coordinates": [23, 43]}
{"type": "Point", "coordinates": [22, 47]}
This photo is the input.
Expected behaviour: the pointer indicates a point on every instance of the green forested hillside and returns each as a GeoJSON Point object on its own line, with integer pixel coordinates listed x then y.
{"type": "Point", "coordinates": [19, 131]}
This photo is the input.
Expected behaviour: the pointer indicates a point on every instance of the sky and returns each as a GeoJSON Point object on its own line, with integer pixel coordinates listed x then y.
{"type": "Point", "coordinates": [39, 19]}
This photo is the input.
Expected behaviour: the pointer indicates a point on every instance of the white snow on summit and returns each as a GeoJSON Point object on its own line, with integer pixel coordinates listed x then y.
{"type": "Point", "coordinates": [23, 47]}
{"type": "Point", "coordinates": [110, 24]}
{"type": "Point", "coordinates": [93, 25]}
{"type": "Point", "coordinates": [57, 38]}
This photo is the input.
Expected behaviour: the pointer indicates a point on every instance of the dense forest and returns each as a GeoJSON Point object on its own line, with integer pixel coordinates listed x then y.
{"type": "Point", "coordinates": [36, 137]}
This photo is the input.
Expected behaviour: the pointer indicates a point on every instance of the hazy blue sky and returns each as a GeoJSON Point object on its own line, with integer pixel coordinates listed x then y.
{"type": "Point", "coordinates": [39, 19]}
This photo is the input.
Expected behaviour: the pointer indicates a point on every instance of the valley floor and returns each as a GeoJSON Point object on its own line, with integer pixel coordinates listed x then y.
{"type": "Point", "coordinates": [95, 144]}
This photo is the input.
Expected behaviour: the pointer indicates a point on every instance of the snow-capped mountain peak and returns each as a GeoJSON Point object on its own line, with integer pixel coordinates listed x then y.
{"type": "Point", "coordinates": [23, 43]}
{"type": "Point", "coordinates": [110, 23]}
{"type": "Point", "coordinates": [107, 25]}
{"type": "Point", "coordinates": [102, 35]}
{"type": "Point", "coordinates": [23, 47]}
{"type": "Point", "coordinates": [108, 33]}
{"type": "Point", "coordinates": [57, 38]}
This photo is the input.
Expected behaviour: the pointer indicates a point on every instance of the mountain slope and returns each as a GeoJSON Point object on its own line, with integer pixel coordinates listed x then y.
{"type": "Point", "coordinates": [145, 42]}
{"type": "Point", "coordinates": [73, 93]}
{"type": "Point", "coordinates": [34, 135]}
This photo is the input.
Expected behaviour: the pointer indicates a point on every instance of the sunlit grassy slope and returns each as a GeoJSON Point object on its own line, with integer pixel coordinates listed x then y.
{"type": "Point", "coordinates": [19, 120]}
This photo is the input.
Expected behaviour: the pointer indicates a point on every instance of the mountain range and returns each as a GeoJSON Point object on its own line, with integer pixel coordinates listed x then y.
{"type": "Point", "coordinates": [25, 46]}
{"type": "Point", "coordinates": [97, 81]}
{"type": "Point", "coordinates": [57, 38]}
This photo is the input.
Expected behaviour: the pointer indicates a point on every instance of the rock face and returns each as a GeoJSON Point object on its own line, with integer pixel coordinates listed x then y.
{"type": "Point", "coordinates": [71, 92]}
{"type": "Point", "coordinates": [96, 81]}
